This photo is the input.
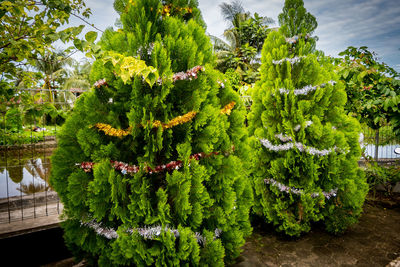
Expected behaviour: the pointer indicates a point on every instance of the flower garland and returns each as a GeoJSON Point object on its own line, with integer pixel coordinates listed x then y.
{"type": "Point", "coordinates": [287, 189]}
{"type": "Point", "coordinates": [301, 147]}
{"type": "Point", "coordinates": [100, 83]}
{"type": "Point", "coordinates": [125, 168]}
{"type": "Point", "coordinates": [228, 108]}
{"type": "Point", "coordinates": [291, 60]}
{"type": "Point", "coordinates": [109, 130]}
{"type": "Point", "coordinates": [305, 90]}
{"type": "Point", "coordinates": [167, 9]}
{"type": "Point", "coordinates": [188, 75]}
{"type": "Point", "coordinates": [175, 121]}
{"type": "Point", "coordinates": [147, 232]}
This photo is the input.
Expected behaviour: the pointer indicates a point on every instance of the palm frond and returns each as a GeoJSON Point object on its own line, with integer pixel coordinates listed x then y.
{"type": "Point", "coordinates": [219, 44]}
{"type": "Point", "coordinates": [230, 10]}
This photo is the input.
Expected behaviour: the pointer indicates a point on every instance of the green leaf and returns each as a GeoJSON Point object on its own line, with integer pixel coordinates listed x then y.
{"type": "Point", "coordinates": [346, 74]}
{"type": "Point", "coordinates": [91, 36]}
{"type": "Point", "coordinates": [77, 30]}
{"type": "Point", "coordinates": [54, 36]}
{"type": "Point", "coordinates": [78, 44]}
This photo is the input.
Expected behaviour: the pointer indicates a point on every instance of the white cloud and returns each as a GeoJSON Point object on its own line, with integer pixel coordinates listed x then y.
{"type": "Point", "coordinates": [341, 23]}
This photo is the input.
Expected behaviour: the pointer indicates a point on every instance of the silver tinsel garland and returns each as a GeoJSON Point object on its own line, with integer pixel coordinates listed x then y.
{"type": "Point", "coordinates": [146, 232]}
{"type": "Point", "coordinates": [305, 90]}
{"type": "Point", "coordinates": [298, 126]}
{"type": "Point", "coordinates": [295, 39]}
{"type": "Point", "coordinates": [290, 60]}
{"type": "Point", "coordinates": [296, 191]}
{"type": "Point", "coordinates": [302, 148]}
{"type": "Point", "coordinates": [284, 138]}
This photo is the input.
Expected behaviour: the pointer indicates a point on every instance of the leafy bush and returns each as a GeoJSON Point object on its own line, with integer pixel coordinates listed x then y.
{"type": "Point", "coordinates": [13, 120]}
{"type": "Point", "coordinates": [386, 176]}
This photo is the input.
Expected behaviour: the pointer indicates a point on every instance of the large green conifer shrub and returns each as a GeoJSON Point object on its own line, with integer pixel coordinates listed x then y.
{"type": "Point", "coordinates": [152, 164]}
{"type": "Point", "coordinates": [306, 148]}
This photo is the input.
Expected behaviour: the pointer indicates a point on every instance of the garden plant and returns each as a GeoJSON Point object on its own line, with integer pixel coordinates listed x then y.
{"type": "Point", "coordinates": [306, 148]}
{"type": "Point", "coordinates": [152, 164]}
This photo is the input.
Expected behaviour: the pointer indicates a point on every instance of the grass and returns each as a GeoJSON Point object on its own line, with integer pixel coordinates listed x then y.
{"type": "Point", "coordinates": [26, 136]}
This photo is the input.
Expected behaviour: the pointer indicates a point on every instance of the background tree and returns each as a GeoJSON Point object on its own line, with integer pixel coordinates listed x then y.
{"type": "Point", "coordinates": [306, 148]}
{"type": "Point", "coordinates": [176, 192]}
{"type": "Point", "coordinates": [78, 75]}
{"type": "Point", "coordinates": [373, 90]}
{"type": "Point", "coordinates": [52, 65]}
{"type": "Point", "coordinates": [245, 36]}
{"type": "Point", "coordinates": [28, 28]}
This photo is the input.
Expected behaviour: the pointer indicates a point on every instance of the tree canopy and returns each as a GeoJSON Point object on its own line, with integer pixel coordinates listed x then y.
{"type": "Point", "coordinates": [28, 28]}
{"type": "Point", "coordinates": [373, 88]}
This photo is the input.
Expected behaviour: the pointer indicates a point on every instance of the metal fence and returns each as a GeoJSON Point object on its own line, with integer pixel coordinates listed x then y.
{"type": "Point", "coordinates": [386, 140]}
{"type": "Point", "coordinates": [24, 171]}
{"type": "Point", "coordinates": [25, 151]}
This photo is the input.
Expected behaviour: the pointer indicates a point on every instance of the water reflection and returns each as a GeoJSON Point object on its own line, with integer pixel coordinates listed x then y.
{"type": "Point", "coordinates": [24, 172]}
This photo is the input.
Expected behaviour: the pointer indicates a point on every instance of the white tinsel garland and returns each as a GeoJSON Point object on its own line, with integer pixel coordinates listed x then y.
{"type": "Point", "coordinates": [295, 39]}
{"type": "Point", "coordinates": [296, 191]}
{"type": "Point", "coordinates": [298, 126]}
{"type": "Point", "coordinates": [302, 148]}
{"type": "Point", "coordinates": [146, 232]}
{"type": "Point", "coordinates": [284, 138]}
{"type": "Point", "coordinates": [305, 90]}
{"type": "Point", "coordinates": [290, 60]}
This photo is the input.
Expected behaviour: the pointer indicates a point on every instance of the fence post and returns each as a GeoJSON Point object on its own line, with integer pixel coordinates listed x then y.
{"type": "Point", "coordinates": [376, 144]}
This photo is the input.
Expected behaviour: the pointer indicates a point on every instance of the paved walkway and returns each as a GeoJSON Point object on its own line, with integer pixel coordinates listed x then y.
{"type": "Point", "coordinates": [22, 215]}
{"type": "Point", "coordinates": [374, 241]}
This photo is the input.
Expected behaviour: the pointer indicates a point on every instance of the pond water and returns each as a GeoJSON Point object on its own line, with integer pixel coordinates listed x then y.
{"type": "Point", "coordinates": [24, 172]}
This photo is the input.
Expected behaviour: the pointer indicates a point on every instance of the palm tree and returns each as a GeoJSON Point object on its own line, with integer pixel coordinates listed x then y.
{"type": "Point", "coordinates": [77, 78]}
{"type": "Point", "coordinates": [245, 36]}
{"type": "Point", "coordinates": [52, 65]}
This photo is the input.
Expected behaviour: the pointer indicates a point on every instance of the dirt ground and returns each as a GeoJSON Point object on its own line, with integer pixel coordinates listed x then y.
{"type": "Point", "coordinates": [374, 241]}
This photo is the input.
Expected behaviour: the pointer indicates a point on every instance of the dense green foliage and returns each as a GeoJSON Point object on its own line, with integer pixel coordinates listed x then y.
{"type": "Point", "coordinates": [200, 197]}
{"type": "Point", "coordinates": [295, 20]}
{"type": "Point", "coordinates": [306, 148]}
{"type": "Point", "coordinates": [373, 88]}
{"type": "Point", "coordinates": [29, 28]}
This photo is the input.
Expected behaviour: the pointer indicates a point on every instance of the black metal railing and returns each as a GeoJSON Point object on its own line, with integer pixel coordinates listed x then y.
{"type": "Point", "coordinates": [25, 150]}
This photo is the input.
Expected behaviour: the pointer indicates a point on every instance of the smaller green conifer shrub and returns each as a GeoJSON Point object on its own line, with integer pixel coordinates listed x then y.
{"type": "Point", "coordinates": [306, 149]}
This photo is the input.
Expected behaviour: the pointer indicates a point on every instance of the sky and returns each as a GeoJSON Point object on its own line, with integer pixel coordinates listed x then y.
{"type": "Point", "coordinates": [341, 23]}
